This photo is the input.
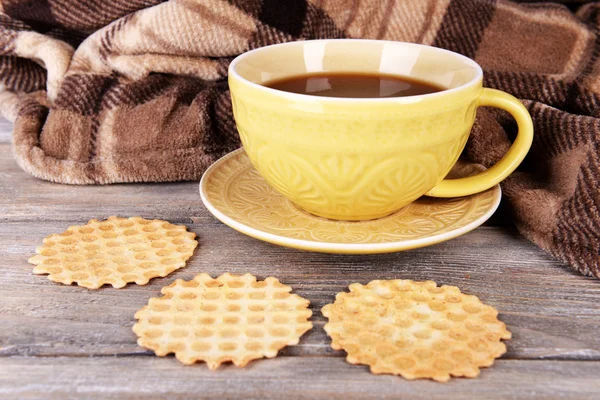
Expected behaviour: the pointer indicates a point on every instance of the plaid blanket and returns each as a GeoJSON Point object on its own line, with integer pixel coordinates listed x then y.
{"type": "Point", "coordinates": [132, 91]}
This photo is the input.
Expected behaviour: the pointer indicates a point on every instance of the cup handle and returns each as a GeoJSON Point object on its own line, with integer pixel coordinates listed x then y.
{"type": "Point", "coordinates": [511, 160]}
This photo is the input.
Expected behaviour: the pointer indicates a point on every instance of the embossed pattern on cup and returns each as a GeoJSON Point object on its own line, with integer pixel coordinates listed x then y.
{"type": "Point", "coordinates": [317, 175]}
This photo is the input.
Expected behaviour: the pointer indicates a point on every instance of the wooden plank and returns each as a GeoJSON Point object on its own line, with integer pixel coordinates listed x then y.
{"type": "Point", "coordinates": [25, 198]}
{"type": "Point", "coordinates": [553, 312]}
{"type": "Point", "coordinates": [289, 377]}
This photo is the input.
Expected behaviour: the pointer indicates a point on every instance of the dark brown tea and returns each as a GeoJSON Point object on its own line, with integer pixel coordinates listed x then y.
{"type": "Point", "coordinates": [354, 85]}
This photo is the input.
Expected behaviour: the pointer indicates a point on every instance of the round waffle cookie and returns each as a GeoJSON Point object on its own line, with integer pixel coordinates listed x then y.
{"type": "Point", "coordinates": [116, 252]}
{"type": "Point", "coordinates": [415, 329]}
{"type": "Point", "coordinates": [230, 318]}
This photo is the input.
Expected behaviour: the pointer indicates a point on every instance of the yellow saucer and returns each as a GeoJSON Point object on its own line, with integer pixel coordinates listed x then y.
{"type": "Point", "coordinates": [237, 195]}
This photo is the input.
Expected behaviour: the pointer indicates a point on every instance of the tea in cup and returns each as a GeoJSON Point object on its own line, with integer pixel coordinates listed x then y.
{"type": "Point", "coordinates": [352, 129]}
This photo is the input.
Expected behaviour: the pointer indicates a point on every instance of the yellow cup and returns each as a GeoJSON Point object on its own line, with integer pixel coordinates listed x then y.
{"type": "Point", "coordinates": [357, 159]}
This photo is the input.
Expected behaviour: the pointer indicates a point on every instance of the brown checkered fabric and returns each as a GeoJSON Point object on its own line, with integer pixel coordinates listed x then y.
{"type": "Point", "coordinates": [135, 90]}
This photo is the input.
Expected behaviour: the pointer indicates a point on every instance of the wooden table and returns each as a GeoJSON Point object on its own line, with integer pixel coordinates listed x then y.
{"type": "Point", "coordinates": [68, 342]}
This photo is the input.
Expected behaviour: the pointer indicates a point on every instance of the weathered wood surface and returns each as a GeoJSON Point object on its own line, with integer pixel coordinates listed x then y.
{"type": "Point", "coordinates": [283, 377]}
{"type": "Point", "coordinates": [48, 331]}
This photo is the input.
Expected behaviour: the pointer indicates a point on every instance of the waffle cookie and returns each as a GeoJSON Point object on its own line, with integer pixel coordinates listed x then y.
{"type": "Point", "coordinates": [115, 252]}
{"type": "Point", "coordinates": [230, 318]}
{"type": "Point", "coordinates": [415, 329]}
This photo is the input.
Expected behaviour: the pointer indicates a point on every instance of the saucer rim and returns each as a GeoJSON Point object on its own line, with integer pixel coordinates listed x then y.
{"type": "Point", "coordinates": [337, 248]}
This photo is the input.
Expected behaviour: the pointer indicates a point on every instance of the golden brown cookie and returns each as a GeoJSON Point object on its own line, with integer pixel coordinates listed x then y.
{"type": "Point", "coordinates": [230, 318]}
{"type": "Point", "coordinates": [115, 252]}
{"type": "Point", "coordinates": [415, 329]}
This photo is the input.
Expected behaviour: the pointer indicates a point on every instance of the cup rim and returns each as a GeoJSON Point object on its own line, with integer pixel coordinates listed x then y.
{"type": "Point", "coordinates": [405, 99]}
